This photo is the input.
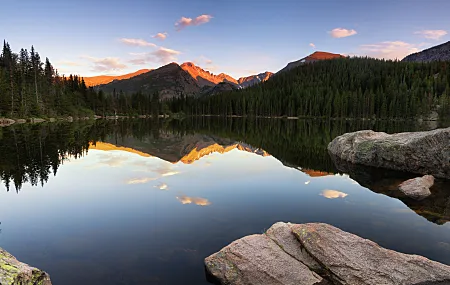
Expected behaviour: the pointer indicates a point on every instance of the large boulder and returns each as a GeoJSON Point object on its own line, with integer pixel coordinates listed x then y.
{"type": "Point", "coordinates": [417, 188]}
{"type": "Point", "coordinates": [416, 152]}
{"type": "Point", "coordinates": [351, 259]}
{"type": "Point", "coordinates": [14, 272]}
{"type": "Point", "coordinates": [256, 260]}
{"type": "Point", "coordinates": [319, 254]}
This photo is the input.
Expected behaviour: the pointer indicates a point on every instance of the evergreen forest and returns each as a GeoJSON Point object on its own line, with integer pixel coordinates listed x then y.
{"type": "Point", "coordinates": [339, 88]}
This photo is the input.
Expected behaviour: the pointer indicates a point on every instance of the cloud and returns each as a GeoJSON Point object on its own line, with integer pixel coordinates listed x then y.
{"type": "Point", "coordinates": [333, 194]}
{"type": "Point", "coordinates": [186, 22]}
{"type": "Point", "coordinates": [342, 33]}
{"type": "Point", "coordinates": [162, 55]}
{"type": "Point", "coordinates": [312, 45]}
{"type": "Point", "coordinates": [432, 34]}
{"type": "Point", "coordinates": [140, 180]}
{"type": "Point", "coordinates": [390, 50]}
{"type": "Point", "coordinates": [170, 173]}
{"type": "Point", "coordinates": [137, 42]}
{"type": "Point", "coordinates": [193, 200]}
{"type": "Point", "coordinates": [163, 186]}
{"type": "Point", "coordinates": [161, 36]}
{"type": "Point", "coordinates": [69, 63]}
{"type": "Point", "coordinates": [105, 64]}
{"type": "Point", "coordinates": [112, 160]}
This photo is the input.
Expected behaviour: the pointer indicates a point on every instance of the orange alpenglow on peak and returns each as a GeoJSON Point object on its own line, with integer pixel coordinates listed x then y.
{"type": "Point", "coordinates": [105, 79]}
{"type": "Point", "coordinates": [321, 55]}
{"type": "Point", "coordinates": [317, 56]}
{"type": "Point", "coordinates": [110, 147]}
{"type": "Point", "coordinates": [315, 173]}
{"type": "Point", "coordinates": [204, 77]}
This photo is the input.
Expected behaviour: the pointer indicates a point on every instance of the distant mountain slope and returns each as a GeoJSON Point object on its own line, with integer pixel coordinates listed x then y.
{"type": "Point", "coordinates": [205, 78]}
{"type": "Point", "coordinates": [105, 79]}
{"type": "Point", "coordinates": [248, 81]}
{"type": "Point", "coordinates": [317, 56]}
{"type": "Point", "coordinates": [219, 88]}
{"type": "Point", "coordinates": [437, 53]}
{"type": "Point", "coordinates": [169, 81]}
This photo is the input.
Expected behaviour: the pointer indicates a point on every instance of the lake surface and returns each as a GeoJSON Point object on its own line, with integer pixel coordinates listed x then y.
{"type": "Point", "coordinates": [144, 202]}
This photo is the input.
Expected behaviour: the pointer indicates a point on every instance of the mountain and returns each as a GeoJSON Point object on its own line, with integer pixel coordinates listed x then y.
{"type": "Point", "coordinates": [245, 82]}
{"type": "Point", "coordinates": [219, 88]}
{"type": "Point", "coordinates": [206, 78]}
{"type": "Point", "coordinates": [169, 80]}
{"type": "Point", "coordinates": [174, 148]}
{"type": "Point", "coordinates": [105, 79]}
{"type": "Point", "coordinates": [317, 56]}
{"type": "Point", "coordinates": [437, 53]}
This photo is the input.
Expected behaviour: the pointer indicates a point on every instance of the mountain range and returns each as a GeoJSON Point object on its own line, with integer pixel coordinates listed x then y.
{"type": "Point", "coordinates": [188, 79]}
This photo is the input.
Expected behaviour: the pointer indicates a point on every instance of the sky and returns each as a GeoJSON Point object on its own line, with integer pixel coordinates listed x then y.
{"type": "Point", "coordinates": [237, 37]}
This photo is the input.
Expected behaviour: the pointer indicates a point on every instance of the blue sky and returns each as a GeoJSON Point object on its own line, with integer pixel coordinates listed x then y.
{"type": "Point", "coordinates": [237, 37]}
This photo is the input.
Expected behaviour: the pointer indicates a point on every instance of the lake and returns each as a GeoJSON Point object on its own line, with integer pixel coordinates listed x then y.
{"type": "Point", "coordinates": [144, 202]}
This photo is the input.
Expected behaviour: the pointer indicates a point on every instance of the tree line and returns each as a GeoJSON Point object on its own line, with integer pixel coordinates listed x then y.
{"type": "Point", "coordinates": [339, 88]}
{"type": "Point", "coordinates": [30, 87]}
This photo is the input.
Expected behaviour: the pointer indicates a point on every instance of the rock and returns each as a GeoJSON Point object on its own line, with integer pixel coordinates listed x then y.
{"type": "Point", "coordinates": [353, 260]}
{"type": "Point", "coordinates": [37, 120]}
{"type": "Point", "coordinates": [21, 121]}
{"type": "Point", "coordinates": [436, 208]}
{"type": "Point", "coordinates": [283, 236]}
{"type": "Point", "coordinates": [419, 152]}
{"type": "Point", "coordinates": [14, 272]}
{"type": "Point", "coordinates": [4, 122]}
{"type": "Point", "coordinates": [319, 254]}
{"type": "Point", "coordinates": [258, 260]}
{"type": "Point", "coordinates": [69, 119]}
{"type": "Point", "coordinates": [417, 188]}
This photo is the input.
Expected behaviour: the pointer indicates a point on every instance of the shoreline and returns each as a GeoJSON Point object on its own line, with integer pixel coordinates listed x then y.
{"type": "Point", "coordinates": [6, 122]}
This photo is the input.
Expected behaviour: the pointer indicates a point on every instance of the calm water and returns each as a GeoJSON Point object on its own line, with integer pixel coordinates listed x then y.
{"type": "Point", "coordinates": [142, 202]}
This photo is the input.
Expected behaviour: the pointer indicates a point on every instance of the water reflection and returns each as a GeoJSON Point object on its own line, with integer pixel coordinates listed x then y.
{"type": "Point", "coordinates": [30, 153]}
{"type": "Point", "coordinates": [142, 202]}
{"type": "Point", "coordinates": [333, 194]}
{"type": "Point", "coordinates": [193, 200]}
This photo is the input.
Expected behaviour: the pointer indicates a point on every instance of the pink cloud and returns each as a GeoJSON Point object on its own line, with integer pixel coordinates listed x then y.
{"type": "Point", "coordinates": [390, 50]}
{"type": "Point", "coordinates": [432, 34]}
{"type": "Point", "coordinates": [342, 33]}
{"type": "Point", "coordinates": [186, 22]}
{"type": "Point", "coordinates": [137, 42]}
{"type": "Point", "coordinates": [161, 36]}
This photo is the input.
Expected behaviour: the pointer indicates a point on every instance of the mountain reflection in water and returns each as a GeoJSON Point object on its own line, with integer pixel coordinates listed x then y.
{"type": "Point", "coordinates": [162, 195]}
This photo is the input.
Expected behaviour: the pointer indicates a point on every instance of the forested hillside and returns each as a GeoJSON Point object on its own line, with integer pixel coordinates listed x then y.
{"type": "Point", "coordinates": [339, 88]}
{"type": "Point", "coordinates": [31, 88]}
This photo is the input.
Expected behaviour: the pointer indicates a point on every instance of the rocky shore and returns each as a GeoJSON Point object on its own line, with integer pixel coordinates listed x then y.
{"type": "Point", "coordinates": [14, 272]}
{"type": "Point", "coordinates": [307, 254]}
{"type": "Point", "coordinates": [415, 152]}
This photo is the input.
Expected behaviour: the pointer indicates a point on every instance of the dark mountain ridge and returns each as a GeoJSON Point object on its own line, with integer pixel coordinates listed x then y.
{"type": "Point", "coordinates": [436, 53]}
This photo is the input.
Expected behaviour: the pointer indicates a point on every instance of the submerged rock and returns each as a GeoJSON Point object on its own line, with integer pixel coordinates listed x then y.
{"type": "Point", "coordinates": [14, 272]}
{"type": "Point", "coordinates": [435, 208]}
{"type": "Point", "coordinates": [4, 122]}
{"type": "Point", "coordinates": [418, 152]}
{"type": "Point", "coordinates": [417, 188]}
{"type": "Point", "coordinates": [319, 254]}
